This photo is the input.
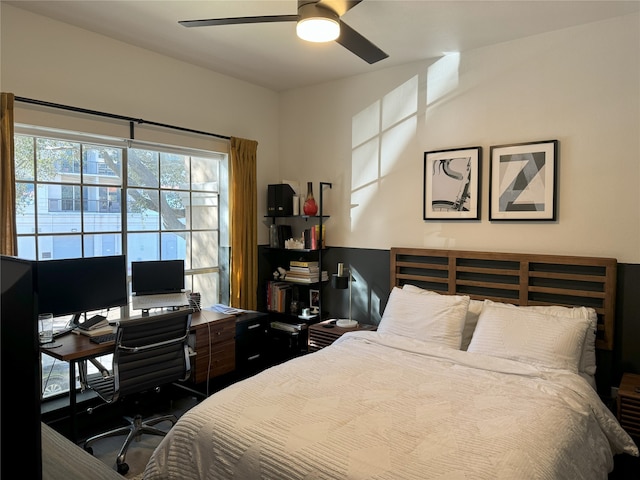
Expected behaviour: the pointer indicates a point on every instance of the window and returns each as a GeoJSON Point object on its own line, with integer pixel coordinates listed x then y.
{"type": "Point", "coordinates": [80, 196]}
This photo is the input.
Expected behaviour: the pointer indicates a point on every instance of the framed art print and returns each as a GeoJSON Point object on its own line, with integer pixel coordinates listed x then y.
{"type": "Point", "coordinates": [523, 181]}
{"type": "Point", "coordinates": [451, 184]}
{"type": "Point", "coordinates": [314, 298]}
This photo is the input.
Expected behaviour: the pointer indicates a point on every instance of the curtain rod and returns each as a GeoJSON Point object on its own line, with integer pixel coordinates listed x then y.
{"type": "Point", "coordinates": [118, 117]}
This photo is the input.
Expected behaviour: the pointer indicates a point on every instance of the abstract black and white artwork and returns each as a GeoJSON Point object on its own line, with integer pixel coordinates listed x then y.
{"type": "Point", "coordinates": [523, 181]}
{"type": "Point", "coordinates": [452, 184]}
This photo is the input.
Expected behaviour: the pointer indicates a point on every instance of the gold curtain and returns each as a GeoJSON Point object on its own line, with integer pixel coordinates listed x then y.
{"type": "Point", "coordinates": [243, 205]}
{"type": "Point", "coordinates": [8, 238]}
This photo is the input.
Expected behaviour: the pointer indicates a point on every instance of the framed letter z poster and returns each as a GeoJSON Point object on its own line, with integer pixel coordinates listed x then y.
{"type": "Point", "coordinates": [523, 181]}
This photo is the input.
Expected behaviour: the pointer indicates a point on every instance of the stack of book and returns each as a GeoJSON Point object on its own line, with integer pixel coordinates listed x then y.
{"type": "Point", "coordinates": [312, 237]}
{"type": "Point", "coordinates": [101, 330]}
{"type": "Point", "coordinates": [278, 296]}
{"type": "Point", "coordinates": [305, 272]}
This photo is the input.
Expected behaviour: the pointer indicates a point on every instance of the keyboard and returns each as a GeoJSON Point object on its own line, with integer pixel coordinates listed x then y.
{"type": "Point", "coordinates": [145, 302]}
{"type": "Point", "coordinates": [106, 338]}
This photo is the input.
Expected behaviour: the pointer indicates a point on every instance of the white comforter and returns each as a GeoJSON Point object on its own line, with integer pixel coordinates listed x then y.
{"type": "Point", "coordinates": [384, 407]}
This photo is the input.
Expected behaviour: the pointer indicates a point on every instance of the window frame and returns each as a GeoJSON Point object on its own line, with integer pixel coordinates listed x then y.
{"type": "Point", "coordinates": [218, 270]}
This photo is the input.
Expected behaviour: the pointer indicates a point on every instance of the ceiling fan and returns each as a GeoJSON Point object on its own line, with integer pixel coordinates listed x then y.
{"type": "Point", "coordinates": [313, 18]}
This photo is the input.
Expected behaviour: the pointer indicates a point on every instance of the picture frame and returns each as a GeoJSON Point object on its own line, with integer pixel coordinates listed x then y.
{"type": "Point", "coordinates": [314, 298]}
{"type": "Point", "coordinates": [451, 184]}
{"type": "Point", "coordinates": [523, 181]}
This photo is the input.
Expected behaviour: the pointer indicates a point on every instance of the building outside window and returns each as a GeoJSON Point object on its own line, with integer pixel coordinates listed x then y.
{"type": "Point", "coordinates": [78, 196]}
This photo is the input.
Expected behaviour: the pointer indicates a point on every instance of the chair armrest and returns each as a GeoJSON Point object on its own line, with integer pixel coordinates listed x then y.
{"type": "Point", "coordinates": [104, 371]}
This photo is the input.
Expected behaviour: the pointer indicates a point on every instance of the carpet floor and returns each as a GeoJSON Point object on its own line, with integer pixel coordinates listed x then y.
{"type": "Point", "coordinates": [139, 452]}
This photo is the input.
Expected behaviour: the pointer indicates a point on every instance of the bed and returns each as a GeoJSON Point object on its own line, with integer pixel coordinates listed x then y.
{"type": "Point", "coordinates": [482, 367]}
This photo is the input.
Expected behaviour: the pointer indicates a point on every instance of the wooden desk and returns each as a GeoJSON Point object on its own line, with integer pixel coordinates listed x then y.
{"type": "Point", "coordinates": [214, 334]}
{"type": "Point", "coordinates": [215, 345]}
{"type": "Point", "coordinates": [73, 348]}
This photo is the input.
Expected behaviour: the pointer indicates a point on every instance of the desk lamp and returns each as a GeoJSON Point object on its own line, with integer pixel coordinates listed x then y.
{"type": "Point", "coordinates": [341, 281]}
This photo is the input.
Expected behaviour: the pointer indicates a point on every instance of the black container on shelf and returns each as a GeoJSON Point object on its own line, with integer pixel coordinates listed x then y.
{"type": "Point", "coordinates": [280, 199]}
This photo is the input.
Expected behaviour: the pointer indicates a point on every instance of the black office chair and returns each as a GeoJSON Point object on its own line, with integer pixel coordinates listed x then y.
{"type": "Point", "coordinates": [149, 352]}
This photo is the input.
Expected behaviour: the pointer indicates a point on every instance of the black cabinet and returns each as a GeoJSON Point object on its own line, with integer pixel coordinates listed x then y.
{"type": "Point", "coordinates": [287, 341]}
{"type": "Point", "coordinates": [252, 343]}
{"type": "Point", "coordinates": [260, 345]}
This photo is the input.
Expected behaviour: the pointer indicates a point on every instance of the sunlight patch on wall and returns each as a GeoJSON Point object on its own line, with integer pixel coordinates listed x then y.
{"type": "Point", "coordinates": [442, 77]}
{"type": "Point", "coordinates": [364, 164]}
{"type": "Point", "coordinates": [379, 135]}
{"type": "Point", "coordinates": [400, 103]}
{"type": "Point", "coordinates": [362, 198]}
{"type": "Point", "coordinates": [395, 142]}
{"type": "Point", "coordinates": [365, 125]}
{"type": "Point", "coordinates": [364, 298]}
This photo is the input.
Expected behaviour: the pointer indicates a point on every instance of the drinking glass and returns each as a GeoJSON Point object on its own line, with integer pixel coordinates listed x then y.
{"type": "Point", "coordinates": [45, 327]}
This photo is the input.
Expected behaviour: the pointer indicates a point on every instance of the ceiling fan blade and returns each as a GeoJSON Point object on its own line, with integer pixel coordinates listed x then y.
{"type": "Point", "coordinates": [356, 43]}
{"type": "Point", "coordinates": [238, 20]}
{"type": "Point", "coordinates": [339, 6]}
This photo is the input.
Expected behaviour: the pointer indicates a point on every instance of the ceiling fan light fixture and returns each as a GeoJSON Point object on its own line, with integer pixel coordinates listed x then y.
{"type": "Point", "coordinates": [316, 24]}
{"type": "Point", "coordinates": [318, 30]}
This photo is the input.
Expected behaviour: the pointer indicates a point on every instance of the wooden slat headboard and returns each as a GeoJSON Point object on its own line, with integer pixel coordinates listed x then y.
{"type": "Point", "coordinates": [520, 279]}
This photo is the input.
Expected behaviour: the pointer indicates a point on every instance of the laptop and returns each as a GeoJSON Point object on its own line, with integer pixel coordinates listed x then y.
{"type": "Point", "coordinates": [158, 284]}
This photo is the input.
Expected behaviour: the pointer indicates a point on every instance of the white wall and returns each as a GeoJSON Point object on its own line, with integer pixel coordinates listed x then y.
{"type": "Point", "coordinates": [51, 61]}
{"type": "Point", "coordinates": [368, 134]}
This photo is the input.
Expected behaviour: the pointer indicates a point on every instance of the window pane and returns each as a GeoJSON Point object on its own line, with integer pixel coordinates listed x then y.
{"type": "Point", "coordinates": [25, 208]}
{"type": "Point", "coordinates": [104, 245]}
{"type": "Point", "coordinates": [102, 209]}
{"type": "Point", "coordinates": [142, 168]}
{"type": "Point", "coordinates": [58, 208]}
{"type": "Point", "coordinates": [175, 246]}
{"type": "Point", "coordinates": [102, 165]}
{"type": "Point", "coordinates": [143, 246]}
{"type": "Point", "coordinates": [59, 246]}
{"type": "Point", "coordinates": [23, 156]}
{"type": "Point", "coordinates": [173, 210]}
{"type": "Point", "coordinates": [207, 285]}
{"type": "Point", "coordinates": [204, 174]}
{"type": "Point", "coordinates": [204, 249]}
{"type": "Point", "coordinates": [55, 376]}
{"type": "Point", "coordinates": [57, 160]}
{"type": "Point", "coordinates": [142, 209]}
{"type": "Point", "coordinates": [174, 171]}
{"type": "Point", "coordinates": [27, 247]}
{"type": "Point", "coordinates": [204, 211]}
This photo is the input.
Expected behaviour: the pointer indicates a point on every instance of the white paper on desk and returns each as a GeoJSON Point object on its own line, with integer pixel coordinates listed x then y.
{"type": "Point", "coordinates": [220, 308]}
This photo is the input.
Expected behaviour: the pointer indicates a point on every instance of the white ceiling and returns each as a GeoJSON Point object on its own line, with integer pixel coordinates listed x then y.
{"type": "Point", "coordinates": [271, 55]}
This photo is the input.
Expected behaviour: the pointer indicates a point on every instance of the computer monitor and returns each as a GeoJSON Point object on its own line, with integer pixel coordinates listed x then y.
{"type": "Point", "coordinates": [19, 369]}
{"type": "Point", "coordinates": [77, 285]}
{"type": "Point", "coordinates": [157, 276]}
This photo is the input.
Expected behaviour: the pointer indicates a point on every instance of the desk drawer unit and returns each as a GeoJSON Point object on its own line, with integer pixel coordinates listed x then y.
{"type": "Point", "coordinates": [215, 350]}
{"type": "Point", "coordinates": [251, 343]}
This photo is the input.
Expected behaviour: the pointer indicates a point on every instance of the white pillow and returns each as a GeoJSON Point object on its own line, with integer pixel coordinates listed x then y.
{"type": "Point", "coordinates": [588, 357]}
{"type": "Point", "coordinates": [470, 322]}
{"type": "Point", "coordinates": [433, 318]}
{"type": "Point", "coordinates": [528, 336]}
{"type": "Point", "coordinates": [471, 318]}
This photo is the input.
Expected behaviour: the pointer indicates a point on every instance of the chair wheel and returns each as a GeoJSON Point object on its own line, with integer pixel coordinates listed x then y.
{"type": "Point", "coordinates": [88, 450]}
{"type": "Point", "coordinates": [122, 468]}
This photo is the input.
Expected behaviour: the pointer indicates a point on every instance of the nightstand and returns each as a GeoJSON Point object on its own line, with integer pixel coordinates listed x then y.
{"type": "Point", "coordinates": [321, 336]}
{"type": "Point", "coordinates": [629, 403]}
